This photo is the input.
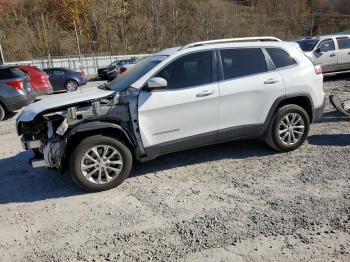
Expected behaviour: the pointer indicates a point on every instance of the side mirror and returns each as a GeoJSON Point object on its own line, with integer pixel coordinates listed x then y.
{"type": "Point", "coordinates": [318, 50]}
{"type": "Point", "coordinates": [156, 83]}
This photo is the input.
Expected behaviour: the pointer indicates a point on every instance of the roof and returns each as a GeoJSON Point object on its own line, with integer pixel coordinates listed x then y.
{"type": "Point", "coordinates": [171, 51]}
{"type": "Point", "coordinates": [321, 37]}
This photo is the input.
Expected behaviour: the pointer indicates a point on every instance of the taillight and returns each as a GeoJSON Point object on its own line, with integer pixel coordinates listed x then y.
{"type": "Point", "coordinates": [122, 70]}
{"type": "Point", "coordinates": [16, 84]}
{"type": "Point", "coordinates": [82, 74]}
{"type": "Point", "coordinates": [318, 69]}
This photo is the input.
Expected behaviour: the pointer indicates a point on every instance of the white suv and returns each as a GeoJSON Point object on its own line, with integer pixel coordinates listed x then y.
{"type": "Point", "coordinates": [199, 94]}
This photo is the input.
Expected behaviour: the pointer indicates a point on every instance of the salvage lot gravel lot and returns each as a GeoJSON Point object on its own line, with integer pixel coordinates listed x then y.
{"type": "Point", "coordinates": [238, 201]}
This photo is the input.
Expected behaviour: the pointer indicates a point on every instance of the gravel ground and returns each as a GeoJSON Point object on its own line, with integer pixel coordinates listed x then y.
{"type": "Point", "coordinates": [238, 201]}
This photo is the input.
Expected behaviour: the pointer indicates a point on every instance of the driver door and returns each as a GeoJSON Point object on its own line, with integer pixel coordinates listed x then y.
{"type": "Point", "coordinates": [185, 114]}
{"type": "Point", "coordinates": [327, 57]}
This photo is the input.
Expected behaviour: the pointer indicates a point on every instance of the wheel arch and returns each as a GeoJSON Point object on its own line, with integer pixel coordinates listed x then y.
{"type": "Point", "coordinates": [71, 80]}
{"type": "Point", "coordinates": [82, 131]}
{"type": "Point", "coordinates": [303, 100]}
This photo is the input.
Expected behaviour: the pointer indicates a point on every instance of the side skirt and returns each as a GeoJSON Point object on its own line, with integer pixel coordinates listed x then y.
{"type": "Point", "coordinates": [225, 135]}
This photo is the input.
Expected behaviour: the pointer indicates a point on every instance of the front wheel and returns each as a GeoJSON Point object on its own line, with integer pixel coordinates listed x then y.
{"type": "Point", "coordinates": [288, 128]}
{"type": "Point", "coordinates": [71, 85]}
{"type": "Point", "coordinates": [100, 163]}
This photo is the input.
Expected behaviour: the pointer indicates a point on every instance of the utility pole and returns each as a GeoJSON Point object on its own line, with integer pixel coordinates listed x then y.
{"type": "Point", "coordinates": [312, 25]}
{"type": "Point", "coordinates": [77, 38]}
{"type": "Point", "coordinates": [2, 60]}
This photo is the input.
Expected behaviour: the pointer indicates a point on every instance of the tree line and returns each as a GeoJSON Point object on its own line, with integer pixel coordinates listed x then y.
{"type": "Point", "coordinates": [41, 28]}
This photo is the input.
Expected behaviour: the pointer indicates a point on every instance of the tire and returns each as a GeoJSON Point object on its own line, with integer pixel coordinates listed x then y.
{"type": "Point", "coordinates": [88, 179]}
{"type": "Point", "coordinates": [285, 133]}
{"type": "Point", "coordinates": [71, 85]}
{"type": "Point", "coordinates": [2, 112]}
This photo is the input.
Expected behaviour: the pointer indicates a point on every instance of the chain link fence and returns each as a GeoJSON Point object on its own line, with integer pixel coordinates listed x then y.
{"type": "Point", "coordinates": [88, 63]}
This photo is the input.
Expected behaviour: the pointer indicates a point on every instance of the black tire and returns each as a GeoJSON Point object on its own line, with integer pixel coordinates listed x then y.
{"type": "Point", "coordinates": [84, 146]}
{"type": "Point", "coordinates": [274, 139]}
{"type": "Point", "coordinates": [2, 112]}
{"type": "Point", "coordinates": [71, 85]}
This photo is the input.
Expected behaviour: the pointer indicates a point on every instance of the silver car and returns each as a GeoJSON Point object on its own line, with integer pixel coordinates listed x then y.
{"type": "Point", "coordinates": [332, 52]}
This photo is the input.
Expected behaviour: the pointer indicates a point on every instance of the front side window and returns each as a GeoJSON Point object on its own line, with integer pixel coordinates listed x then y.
{"type": "Point", "coordinates": [242, 62]}
{"type": "Point", "coordinates": [280, 58]}
{"type": "Point", "coordinates": [327, 45]}
{"type": "Point", "coordinates": [343, 43]}
{"type": "Point", "coordinates": [190, 70]}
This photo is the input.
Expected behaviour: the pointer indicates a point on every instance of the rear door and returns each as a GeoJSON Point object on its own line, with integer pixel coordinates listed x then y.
{"type": "Point", "coordinates": [249, 88]}
{"type": "Point", "coordinates": [326, 56]}
{"type": "Point", "coordinates": [343, 53]}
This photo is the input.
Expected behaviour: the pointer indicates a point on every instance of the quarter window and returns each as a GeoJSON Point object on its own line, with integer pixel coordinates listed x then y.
{"type": "Point", "coordinates": [280, 58]}
{"type": "Point", "coordinates": [327, 45]}
{"type": "Point", "coordinates": [190, 70]}
{"type": "Point", "coordinates": [343, 43]}
{"type": "Point", "coordinates": [242, 62]}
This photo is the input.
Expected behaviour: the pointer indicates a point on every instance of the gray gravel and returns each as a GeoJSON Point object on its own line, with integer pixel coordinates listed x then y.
{"type": "Point", "coordinates": [238, 201]}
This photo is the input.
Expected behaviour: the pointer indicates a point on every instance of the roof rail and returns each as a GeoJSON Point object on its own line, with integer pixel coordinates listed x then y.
{"type": "Point", "coordinates": [230, 40]}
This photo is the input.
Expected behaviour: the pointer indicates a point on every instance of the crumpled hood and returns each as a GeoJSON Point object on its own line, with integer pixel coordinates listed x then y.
{"type": "Point", "coordinates": [55, 101]}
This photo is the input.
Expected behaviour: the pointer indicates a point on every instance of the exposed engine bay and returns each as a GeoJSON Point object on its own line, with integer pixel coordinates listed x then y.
{"type": "Point", "coordinates": [49, 132]}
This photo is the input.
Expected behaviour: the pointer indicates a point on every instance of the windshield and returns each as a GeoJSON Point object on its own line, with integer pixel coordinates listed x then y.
{"type": "Point", "coordinates": [124, 80]}
{"type": "Point", "coordinates": [307, 45]}
{"type": "Point", "coordinates": [114, 64]}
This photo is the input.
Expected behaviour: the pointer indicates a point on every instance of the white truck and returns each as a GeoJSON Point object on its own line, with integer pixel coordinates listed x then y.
{"type": "Point", "coordinates": [199, 94]}
{"type": "Point", "coordinates": [332, 52]}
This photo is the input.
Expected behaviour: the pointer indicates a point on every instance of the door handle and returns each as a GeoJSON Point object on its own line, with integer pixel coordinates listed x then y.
{"type": "Point", "coordinates": [205, 93]}
{"type": "Point", "coordinates": [332, 55]}
{"type": "Point", "coordinates": [271, 81]}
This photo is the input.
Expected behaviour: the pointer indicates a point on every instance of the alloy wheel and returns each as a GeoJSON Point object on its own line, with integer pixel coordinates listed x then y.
{"type": "Point", "coordinates": [101, 164]}
{"type": "Point", "coordinates": [291, 129]}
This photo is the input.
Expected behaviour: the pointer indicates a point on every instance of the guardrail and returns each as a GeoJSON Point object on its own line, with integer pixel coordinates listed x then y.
{"type": "Point", "coordinates": [87, 63]}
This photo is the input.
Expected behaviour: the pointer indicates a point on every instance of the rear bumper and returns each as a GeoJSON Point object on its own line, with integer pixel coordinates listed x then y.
{"type": "Point", "coordinates": [318, 111]}
{"type": "Point", "coordinates": [19, 101]}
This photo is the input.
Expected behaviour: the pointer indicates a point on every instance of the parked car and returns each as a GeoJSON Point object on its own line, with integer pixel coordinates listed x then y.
{"type": "Point", "coordinates": [39, 80]}
{"type": "Point", "coordinates": [65, 79]}
{"type": "Point", "coordinates": [15, 90]}
{"type": "Point", "coordinates": [111, 71]}
{"type": "Point", "coordinates": [332, 52]}
{"type": "Point", "coordinates": [199, 94]}
{"type": "Point", "coordinates": [125, 67]}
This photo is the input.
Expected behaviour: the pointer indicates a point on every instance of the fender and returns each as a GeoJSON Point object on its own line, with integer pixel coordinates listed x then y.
{"type": "Point", "coordinates": [98, 125]}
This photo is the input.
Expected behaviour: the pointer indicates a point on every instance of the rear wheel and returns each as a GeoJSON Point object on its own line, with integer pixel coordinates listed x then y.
{"type": "Point", "coordinates": [2, 112]}
{"type": "Point", "coordinates": [288, 128]}
{"type": "Point", "coordinates": [100, 163]}
{"type": "Point", "coordinates": [71, 85]}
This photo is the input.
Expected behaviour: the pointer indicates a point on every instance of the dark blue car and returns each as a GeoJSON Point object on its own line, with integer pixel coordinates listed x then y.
{"type": "Point", "coordinates": [65, 79]}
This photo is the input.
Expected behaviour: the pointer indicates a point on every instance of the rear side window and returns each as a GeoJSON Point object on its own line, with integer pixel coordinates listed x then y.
{"type": "Point", "coordinates": [280, 57]}
{"type": "Point", "coordinates": [190, 70]}
{"type": "Point", "coordinates": [58, 72]}
{"type": "Point", "coordinates": [343, 43]}
{"type": "Point", "coordinates": [9, 73]}
{"type": "Point", "coordinates": [242, 62]}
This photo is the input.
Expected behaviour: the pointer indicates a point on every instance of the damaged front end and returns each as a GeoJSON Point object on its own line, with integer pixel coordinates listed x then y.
{"type": "Point", "coordinates": [48, 132]}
